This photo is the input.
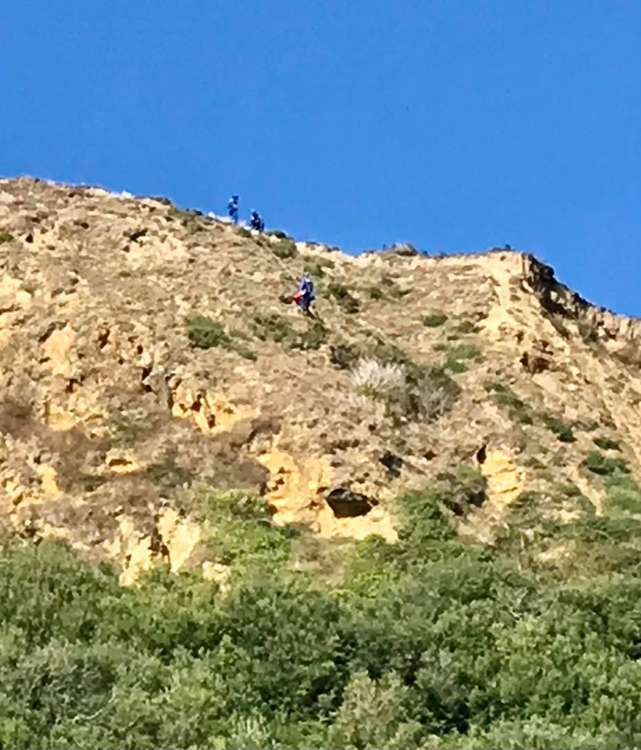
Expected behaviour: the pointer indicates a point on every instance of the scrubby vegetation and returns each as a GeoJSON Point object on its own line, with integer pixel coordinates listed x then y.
{"type": "Point", "coordinates": [317, 267]}
{"type": "Point", "coordinates": [273, 326]}
{"type": "Point", "coordinates": [5, 237]}
{"type": "Point", "coordinates": [190, 219]}
{"type": "Point", "coordinates": [392, 289]}
{"type": "Point", "coordinates": [285, 249]}
{"type": "Point", "coordinates": [167, 474]}
{"type": "Point", "coordinates": [345, 356]}
{"type": "Point", "coordinates": [461, 490]}
{"type": "Point", "coordinates": [434, 320]}
{"type": "Point", "coordinates": [606, 444]}
{"type": "Point", "coordinates": [562, 430]}
{"type": "Point", "coordinates": [408, 390]}
{"type": "Point", "coordinates": [343, 297]}
{"type": "Point", "coordinates": [624, 493]}
{"type": "Point", "coordinates": [505, 397]}
{"type": "Point", "coordinates": [597, 463]}
{"type": "Point", "coordinates": [205, 333]}
{"type": "Point", "coordinates": [427, 643]}
{"type": "Point", "coordinates": [458, 355]}
{"type": "Point", "coordinates": [279, 234]}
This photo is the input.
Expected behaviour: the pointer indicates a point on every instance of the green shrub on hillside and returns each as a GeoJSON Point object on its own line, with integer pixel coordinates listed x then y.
{"type": "Point", "coordinates": [317, 266]}
{"type": "Point", "coordinates": [569, 489]}
{"type": "Point", "coordinates": [392, 289]}
{"type": "Point", "coordinates": [562, 430]}
{"type": "Point", "coordinates": [5, 237]}
{"type": "Point", "coordinates": [505, 397]}
{"type": "Point", "coordinates": [205, 333]}
{"type": "Point", "coordinates": [272, 326]}
{"type": "Point", "coordinates": [167, 473]}
{"type": "Point", "coordinates": [600, 545]}
{"type": "Point", "coordinates": [241, 529]}
{"type": "Point", "coordinates": [387, 352]}
{"type": "Point", "coordinates": [279, 234]}
{"type": "Point", "coordinates": [190, 219]}
{"type": "Point", "coordinates": [624, 493]}
{"type": "Point", "coordinates": [466, 327]}
{"type": "Point", "coordinates": [597, 463]}
{"type": "Point", "coordinates": [458, 355]}
{"type": "Point", "coordinates": [454, 365]}
{"type": "Point", "coordinates": [343, 297]}
{"type": "Point", "coordinates": [461, 490]}
{"type": "Point", "coordinates": [312, 338]}
{"type": "Point", "coordinates": [606, 444]}
{"type": "Point", "coordinates": [345, 356]}
{"type": "Point", "coordinates": [424, 643]}
{"type": "Point", "coordinates": [285, 249]}
{"type": "Point", "coordinates": [434, 320]}
{"type": "Point", "coordinates": [465, 351]}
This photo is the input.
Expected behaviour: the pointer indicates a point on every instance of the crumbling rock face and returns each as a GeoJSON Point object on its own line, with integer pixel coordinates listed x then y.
{"type": "Point", "coordinates": [110, 418]}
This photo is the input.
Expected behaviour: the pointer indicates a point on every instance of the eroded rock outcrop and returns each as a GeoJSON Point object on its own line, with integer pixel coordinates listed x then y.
{"type": "Point", "coordinates": [111, 411]}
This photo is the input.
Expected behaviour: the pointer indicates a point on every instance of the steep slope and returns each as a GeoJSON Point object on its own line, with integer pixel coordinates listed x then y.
{"type": "Point", "coordinates": [148, 352]}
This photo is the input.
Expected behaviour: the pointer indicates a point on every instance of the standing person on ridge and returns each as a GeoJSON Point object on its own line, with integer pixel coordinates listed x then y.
{"type": "Point", "coordinates": [232, 208]}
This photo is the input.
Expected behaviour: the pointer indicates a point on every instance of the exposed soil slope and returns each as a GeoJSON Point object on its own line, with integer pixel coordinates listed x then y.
{"type": "Point", "coordinates": [112, 416]}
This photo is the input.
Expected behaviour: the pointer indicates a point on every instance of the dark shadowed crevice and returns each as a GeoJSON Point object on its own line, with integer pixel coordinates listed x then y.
{"type": "Point", "coordinates": [392, 463]}
{"type": "Point", "coordinates": [347, 504]}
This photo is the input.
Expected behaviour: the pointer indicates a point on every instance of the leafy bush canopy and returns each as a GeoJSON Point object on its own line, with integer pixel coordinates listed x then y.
{"type": "Point", "coordinates": [426, 643]}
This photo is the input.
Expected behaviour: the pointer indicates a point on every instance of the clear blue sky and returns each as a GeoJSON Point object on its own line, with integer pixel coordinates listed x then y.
{"type": "Point", "coordinates": [453, 124]}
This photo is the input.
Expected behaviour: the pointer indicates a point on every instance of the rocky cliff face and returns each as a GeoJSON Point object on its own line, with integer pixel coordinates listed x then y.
{"type": "Point", "coordinates": [148, 353]}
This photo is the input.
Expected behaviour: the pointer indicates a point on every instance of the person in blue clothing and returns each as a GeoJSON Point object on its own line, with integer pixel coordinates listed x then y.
{"type": "Point", "coordinates": [305, 294]}
{"type": "Point", "coordinates": [232, 208]}
{"type": "Point", "coordinates": [256, 222]}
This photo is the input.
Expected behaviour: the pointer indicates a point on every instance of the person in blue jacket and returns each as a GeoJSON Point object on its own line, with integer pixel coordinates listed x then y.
{"type": "Point", "coordinates": [232, 208]}
{"type": "Point", "coordinates": [305, 294]}
{"type": "Point", "coordinates": [256, 222]}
